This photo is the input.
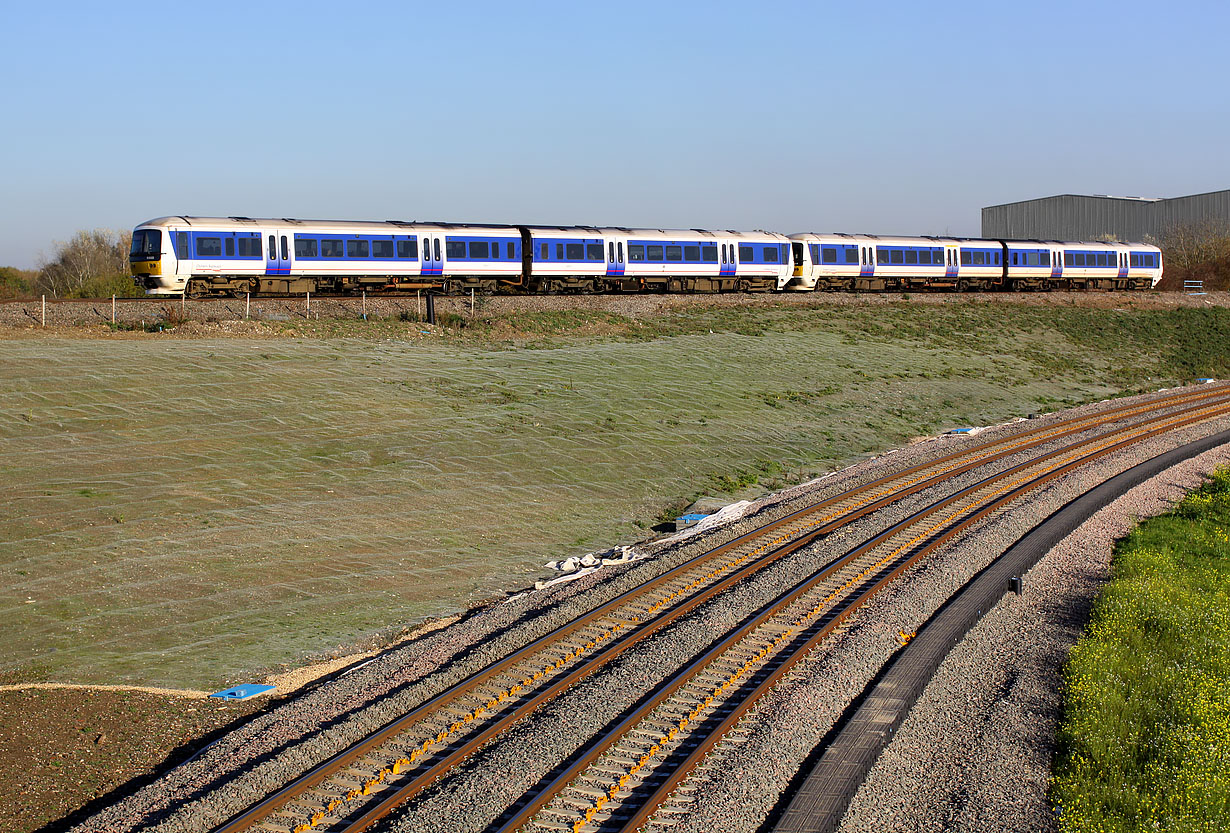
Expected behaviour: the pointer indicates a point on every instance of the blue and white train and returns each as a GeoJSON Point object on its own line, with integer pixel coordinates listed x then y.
{"type": "Point", "coordinates": [203, 256]}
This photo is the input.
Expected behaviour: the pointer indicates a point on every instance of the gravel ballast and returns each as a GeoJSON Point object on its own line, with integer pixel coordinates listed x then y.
{"type": "Point", "coordinates": [975, 752]}
{"type": "Point", "coordinates": [746, 783]}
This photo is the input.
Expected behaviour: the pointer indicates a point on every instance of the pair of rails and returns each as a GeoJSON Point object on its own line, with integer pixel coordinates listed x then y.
{"type": "Point", "coordinates": [637, 770]}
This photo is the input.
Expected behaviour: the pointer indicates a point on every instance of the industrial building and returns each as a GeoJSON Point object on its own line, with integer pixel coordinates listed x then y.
{"type": "Point", "coordinates": [1081, 217]}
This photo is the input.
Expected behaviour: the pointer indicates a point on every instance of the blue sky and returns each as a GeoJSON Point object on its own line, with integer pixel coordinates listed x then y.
{"type": "Point", "coordinates": [878, 117]}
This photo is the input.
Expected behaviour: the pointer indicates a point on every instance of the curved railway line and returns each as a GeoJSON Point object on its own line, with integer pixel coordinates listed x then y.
{"type": "Point", "coordinates": [633, 774]}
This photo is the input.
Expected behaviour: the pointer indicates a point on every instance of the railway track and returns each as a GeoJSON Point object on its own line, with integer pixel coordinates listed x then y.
{"type": "Point", "coordinates": [632, 772]}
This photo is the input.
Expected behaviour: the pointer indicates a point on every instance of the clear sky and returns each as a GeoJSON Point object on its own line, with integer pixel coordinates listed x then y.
{"type": "Point", "coordinates": [876, 117]}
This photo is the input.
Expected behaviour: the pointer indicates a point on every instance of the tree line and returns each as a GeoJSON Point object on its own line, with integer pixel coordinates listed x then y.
{"type": "Point", "coordinates": [91, 264]}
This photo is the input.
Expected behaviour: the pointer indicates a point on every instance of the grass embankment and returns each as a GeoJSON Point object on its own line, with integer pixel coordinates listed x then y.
{"type": "Point", "coordinates": [1145, 737]}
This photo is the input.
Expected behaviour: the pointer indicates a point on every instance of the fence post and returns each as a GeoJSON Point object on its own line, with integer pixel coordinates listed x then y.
{"type": "Point", "coordinates": [364, 304]}
{"type": "Point", "coordinates": [44, 310]}
{"type": "Point", "coordinates": [113, 309]}
{"type": "Point", "coordinates": [309, 303]}
{"type": "Point", "coordinates": [471, 302]}
{"type": "Point", "coordinates": [418, 302]}
{"type": "Point", "coordinates": [247, 306]}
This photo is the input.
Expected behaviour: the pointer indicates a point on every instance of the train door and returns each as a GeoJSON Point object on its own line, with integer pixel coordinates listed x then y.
{"type": "Point", "coordinates": [952, 264]}
{"type": "Point", "coordinates": [614, 259]}
{"type": "Point", "coordinates": [431, 254]}
{"type": "Point", "coordinates": [1056, 264]}
{"type": "Point", "coordinates": [867, 262]}
{"type": "Point", "coordinates": [277, 252]}
{"type": "Point", "coordinates": [729, 264]}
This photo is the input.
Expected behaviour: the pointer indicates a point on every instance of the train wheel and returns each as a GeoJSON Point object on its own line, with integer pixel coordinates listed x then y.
{"type": "Point", "coordinates": [962, 284]}
{"type": "Point", "coordinates": [195, 289]}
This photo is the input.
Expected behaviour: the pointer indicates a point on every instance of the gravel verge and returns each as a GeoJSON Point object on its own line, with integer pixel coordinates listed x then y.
{"type": "Point", "coordinates": [975, 752]}
{"type": "Point", "coordinates": [290, 736]}
{"type": "Point", "coordinates": [18, 318]}
{"type": "Point", "coordinates": [739, 790]}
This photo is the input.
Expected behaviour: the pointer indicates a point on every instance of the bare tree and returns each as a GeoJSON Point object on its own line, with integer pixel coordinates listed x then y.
{"type": "Point", "coordinates": [1193, 244]}
{"type": "Point", "coordinates": [86, 260]}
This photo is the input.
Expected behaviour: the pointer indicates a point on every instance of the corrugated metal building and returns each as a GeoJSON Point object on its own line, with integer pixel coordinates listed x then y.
{"type": "Point", "coordinates": [1078, 217]}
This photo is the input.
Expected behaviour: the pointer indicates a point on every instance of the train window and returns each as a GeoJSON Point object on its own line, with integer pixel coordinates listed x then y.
{"type": "Point", "coordinates": [770, 254]}
{"type": "Point", "coordinates": [1014, 258]}
{"type": "Point", "coordinates": [610, 252]}
{"type": "Point", "coordinates": [980, 258]}
{"type": "Point", "coordinates": [895, 256]}
{"type": "Point", "coordinates": [209, 246]}
{"type": "Point", "coordinates": [408, 249]}
{"type": "Point", "coordinates": [1079, 258]}
{"type": "Point", "coordinates": [723, 252]}
{"type": "Point", "coordinates": [745, 254]}
{"type": "Point", "coordinates": [674, 253]}
{"type": "Point", "coordinates": [924, 257]}
{"type": "Point", "coordinates": [709, 254]}
{"type": "Point", "coordinates": [635, 253]}
{"type": "Point", "coordinates": [653, 254]}
{"type": "Point", "coordinates": [967, 258]}
{"type": "Point", "coordinates": [691, 254]}
{"type": "Point", "coordinates": [437, 248]}
{"type": "Point", "coordinates": [181, 245]}
{"type": "Point", "coordinates": [911, 257]}
{"type": "Point", "coordinates": [273, 248]}
{"type": "Point", "coordinates": [330, 248]}
{"type": "Point", "coordinates": [882, 256]}
{"type": "Point", "coordinates": [480, 250]}
{"type": "Point", "coordinates": [620, 252]}
{"type": "Point", "coordinates": [455, 249]}
{"type": "Point", "coordinates": [230, 246]}
{"type": "Point", "coordinates": [285, 249]}
{"type": "Point", "coordinates": [304, 247]}
{"type": "Point", "coordinates": [576, 251]}
{"type": "Point", "coordinates": [1031, 258]}
{"type": "Point", "coordinates": [1068, 259]}
{"type": "Point", "coordinates": [1044, 258]}
{"type": "Point", "coordinates": [593, 251]}
{"type": "Point", "coordinates": [511, 249]}
{"type": "Point", "coordinates": [851, 254]}
{"type": "Point", "coordinates": [1135, 261]}
{"type": "Point", "coordinates": [829, 254]}
{"type": "Point", "coordinates": [864, 257]}
{"type": "Point", "coordinates": [357, 248]}
{"type": "Point", "coordinates": [495, 249]}
{"type": "Point", "coordinates": [545, 250]}
{"type": "Point", "coordinates": [559, 251]}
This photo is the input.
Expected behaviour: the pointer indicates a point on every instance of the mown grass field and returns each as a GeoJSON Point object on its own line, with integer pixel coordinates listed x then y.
{"type": "Point", "coordinates": [183, 511]}
{"type": "Point", "coordinates": [1145, 735]}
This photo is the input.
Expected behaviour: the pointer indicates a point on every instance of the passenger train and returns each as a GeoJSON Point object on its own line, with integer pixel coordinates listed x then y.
{"type": "Point", "coordinates": [214, 256]}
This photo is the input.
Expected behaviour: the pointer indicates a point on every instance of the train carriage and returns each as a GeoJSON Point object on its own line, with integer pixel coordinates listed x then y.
{"type": "Point", "coordinates": [698, 260]}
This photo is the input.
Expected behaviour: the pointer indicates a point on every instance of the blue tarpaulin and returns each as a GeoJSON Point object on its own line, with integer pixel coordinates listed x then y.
{"type": "Point", "coordinates": [242, 692]}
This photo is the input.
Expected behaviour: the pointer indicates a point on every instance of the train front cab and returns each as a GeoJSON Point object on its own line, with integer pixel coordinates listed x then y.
{"type": "Point", "coordinates": [152, 263]}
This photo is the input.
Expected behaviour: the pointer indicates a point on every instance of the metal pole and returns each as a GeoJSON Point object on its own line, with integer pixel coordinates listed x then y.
{"type": "Point", "coordinates": [418, 302]}
{"type": "Point", "coordinates": [364, 304]}
{"type": "Point", "coordinates": [431, 309]}
{"type": "Point", "coordinates": [471, 302]}
{"type": "Point", "coordinates": [44, 310]}
{"type": "Point", "coordinates": [247, 305]}
{"type": "Point", "coordinates": [113, 309]}
{"type": "Point", "coordinates": [309, 303]}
